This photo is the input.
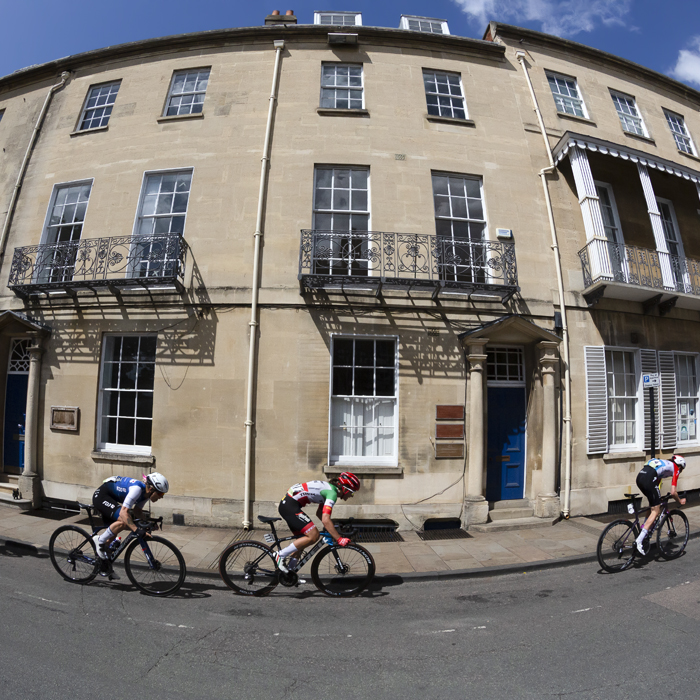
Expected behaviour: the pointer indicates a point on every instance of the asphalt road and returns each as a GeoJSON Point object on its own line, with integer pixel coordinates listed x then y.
{"type": "Point", "coordinates": [571, 632]}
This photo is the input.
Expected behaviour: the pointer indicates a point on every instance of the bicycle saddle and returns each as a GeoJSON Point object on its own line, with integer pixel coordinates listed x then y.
{"type": "Point", "coordinates": [631, 495]}
{"type": "Point", "coordinates": [264, 519]}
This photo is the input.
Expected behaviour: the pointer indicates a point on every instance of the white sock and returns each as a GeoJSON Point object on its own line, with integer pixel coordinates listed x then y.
{"type": "Point", "coordinates": [642, 535]}
{"type": "Point", "coordinates": [289, 549]}
{"type": "Point", "coordinates": [105, 537]}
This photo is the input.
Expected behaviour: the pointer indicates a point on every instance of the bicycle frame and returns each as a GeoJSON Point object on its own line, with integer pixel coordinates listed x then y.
{"type": "Point", "coordinates": [275, 540]}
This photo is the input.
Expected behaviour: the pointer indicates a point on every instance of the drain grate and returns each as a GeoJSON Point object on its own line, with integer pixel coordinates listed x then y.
{"type": "Point", "coordinates": [370, 531]}
{"type": "Point", "coordinates": [444, 534]}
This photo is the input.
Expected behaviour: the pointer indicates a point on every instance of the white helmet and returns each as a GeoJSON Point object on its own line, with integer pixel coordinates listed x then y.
{"type": "Point", "coordinates": [158, 482]}
{"type": "Point", "coordinates": [679, 461]}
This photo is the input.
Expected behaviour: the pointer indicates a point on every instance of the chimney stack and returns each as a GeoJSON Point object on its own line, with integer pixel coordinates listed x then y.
{"type": "Point", "coordinates": [276, 19]}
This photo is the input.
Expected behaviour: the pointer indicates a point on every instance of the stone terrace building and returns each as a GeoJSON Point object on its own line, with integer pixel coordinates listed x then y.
{"type": "Point", "coordinates": [257, 256]}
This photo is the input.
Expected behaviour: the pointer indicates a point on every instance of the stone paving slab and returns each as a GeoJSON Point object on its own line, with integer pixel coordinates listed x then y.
{"type": "Point", "coordinates": [566, 541]}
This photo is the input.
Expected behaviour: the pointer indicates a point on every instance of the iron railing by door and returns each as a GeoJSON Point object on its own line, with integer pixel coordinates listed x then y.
{"type": "Point", "coordinates": [119, 261]}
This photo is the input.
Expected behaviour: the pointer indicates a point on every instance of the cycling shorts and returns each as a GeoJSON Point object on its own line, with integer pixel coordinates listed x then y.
{"type": "Point", "coordinates": [648, 484]}
{"type": "Point", "coordinates": [106, 504]}
{"type": "Point", "coordinates": [299, 522]}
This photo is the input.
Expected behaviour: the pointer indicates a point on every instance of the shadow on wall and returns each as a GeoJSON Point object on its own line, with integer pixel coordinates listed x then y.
{"type": "Point", "coordinates": [186, 326]}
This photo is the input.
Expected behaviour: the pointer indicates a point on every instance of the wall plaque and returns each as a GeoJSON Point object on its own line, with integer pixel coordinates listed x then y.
{"type": "Point", "coordinates": [449, 431]}
{"type": "Point", "coordinates": [65, 418]}
{"type": "Point", "coordinates": [449, 412]}
{"type": "Point", "coordinates": [449, 450]}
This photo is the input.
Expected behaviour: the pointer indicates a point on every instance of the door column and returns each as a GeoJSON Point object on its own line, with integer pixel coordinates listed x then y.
{"type": "Point", "coordinates": [476, 507]}
{"type": "Point", "coordinates": [29, 482]}
{"type": "Point", "coordinates": [547, 502]}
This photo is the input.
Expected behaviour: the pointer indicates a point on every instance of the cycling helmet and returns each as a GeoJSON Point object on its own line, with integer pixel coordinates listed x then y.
{"type": "Point", "coordinates": [349, 482]}
{"type": "Point", "coordinates": [158, 482]}
{"type": "Point", "coordinates": [679, 461]}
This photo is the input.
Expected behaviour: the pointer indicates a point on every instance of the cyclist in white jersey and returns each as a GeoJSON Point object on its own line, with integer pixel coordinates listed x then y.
{"type": "Point", "coordinates": [325, 494]}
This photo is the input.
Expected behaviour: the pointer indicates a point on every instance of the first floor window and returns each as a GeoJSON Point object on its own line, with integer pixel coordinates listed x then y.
{"type": "Point", "coordinates": [622, 397]}
{"type": "Point", "coordinates": [566, 95]}
{"type": "Point", "coordinates": [443, 93]}
{"type": "Point", "coordinates": [687, 397]}
{"type": "Point", "coordinates": [126, 393]}
{"type": "Point", "coordinates": [676, 124]}
{"type": "Point", "coordinates": [363, 401]}
{"type": "Point", "coordinates": [98, 106]}
{"type": "Point", "coordinates": [341, 86]}
{"type": "Point", "coordinates": [626, 108]}
{"type": "Point", "coordinates": [187, 91]}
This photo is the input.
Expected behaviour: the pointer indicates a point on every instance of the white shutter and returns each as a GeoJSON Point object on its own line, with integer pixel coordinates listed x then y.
{"type": "Point", "coordinates": [596, 399]}
{"type": "Point", "coordinates": [669, 420]}
{"type": "Point", "coordinates": [649, 366]}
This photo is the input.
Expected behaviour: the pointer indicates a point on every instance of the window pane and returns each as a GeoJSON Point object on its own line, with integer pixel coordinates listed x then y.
{"type": "Point", "coordinates": [364, 381]}
{"type": "Point", "coordinates": [364, 353]}
{"type": "Point", "coordinates": [342, 381]}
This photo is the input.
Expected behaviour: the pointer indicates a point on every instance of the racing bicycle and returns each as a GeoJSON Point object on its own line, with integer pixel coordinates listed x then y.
{"type": "Point", "coordinates": [249, 567]}
{"type": "Point", "coordinates": [154, 565]}
{"type": "Point", "coordinates": [617, 548]}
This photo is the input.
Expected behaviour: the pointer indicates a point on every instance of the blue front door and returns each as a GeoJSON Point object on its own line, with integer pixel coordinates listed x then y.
{"type": "Point", "coordinates": [15, 409]}
{"type": "Point", "coordinates": [505, 452]}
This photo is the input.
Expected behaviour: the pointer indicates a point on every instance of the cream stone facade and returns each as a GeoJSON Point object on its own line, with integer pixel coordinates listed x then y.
{"type": "Point", "coordinates": [371, 249]}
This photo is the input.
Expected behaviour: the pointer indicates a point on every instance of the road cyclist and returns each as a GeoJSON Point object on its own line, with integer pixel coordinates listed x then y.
{"type": "Point", "coordinates": [649, 483]}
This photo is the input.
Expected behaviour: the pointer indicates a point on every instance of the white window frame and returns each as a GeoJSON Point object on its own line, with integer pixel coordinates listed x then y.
{"type": "Point", "coordinates": [638, 443]}
{"type": "Point", "coordinates": [678, 135]}
{"type": "Point", "coordinates": [343, 88]}
{"type": "Point", "coordinates": [356, 16]}
{"type": "Point", "coordinates": [104, 120]}
{"type": "Point", "coordinates": [345, 460]}
{"type": "Point", "coordinates": [450, 96]}
{"type": "Point", "coordinates": [521, 364]}
{"type": "Point", "coordinates": [170, 94]}
{"type": "Point", "coordinates": [616, 216]}
{"type": "Point", "coordinates": [636, 118]}
{"type": "Point", "coordinates": [696, 440]}
{"type": "Point", "coordinates": [563, 98]}
{"type": "Point", "coordinates": [405, 19]}
{"type": "Point", "coordinates": [142, 195]}
{"type": "Point", "coordinates": [24, 359]}
{"type": "Point", "coordinates": [102, 445]}
{"type": "Point", "coordinates": [54, 194]}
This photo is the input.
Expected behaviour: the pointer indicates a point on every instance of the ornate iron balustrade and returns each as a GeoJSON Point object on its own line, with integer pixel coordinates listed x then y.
{"type": "Point", "coordinates": [151, 261]}
{"type": "Point", "coordinates": [604, 261]}
{"type": "Point", "coordinates": [378, 260]}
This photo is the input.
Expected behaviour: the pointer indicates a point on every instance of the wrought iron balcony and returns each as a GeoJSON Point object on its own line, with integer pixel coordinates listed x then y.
{"type": "Point", "coordinates": [377, 261]}
{"type": "Point", "coordinates": [155, 261]}
{"type": "Point", "coordinates": [623, 271]}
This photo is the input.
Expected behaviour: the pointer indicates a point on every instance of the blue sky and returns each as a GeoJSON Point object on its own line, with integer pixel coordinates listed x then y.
{"type": "Point", "coordinates": [664, 36]}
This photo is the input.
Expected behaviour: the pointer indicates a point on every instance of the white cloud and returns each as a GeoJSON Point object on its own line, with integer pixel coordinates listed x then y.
{"type": "Point", "coordinates": [559, 17]}
{"type": "Point", "coordinates": [687, 66]}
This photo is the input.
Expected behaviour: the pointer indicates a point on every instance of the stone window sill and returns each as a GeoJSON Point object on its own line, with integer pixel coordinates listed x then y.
{"type": "Point", "coordinates": [620, 456]}
{"type": "Point", "coordinates": [573, 117]}
{"type": "Point", "coordinates": [180, 117]}
{"type": "Point", "coordinates": [690, 155]}
{"type": "Point", "coordinates": [449, 120]}
{"type": "Point", "coordinates": [360, 470]}
{"type": "Point", "coordinates": [123, 457]}
{"type": "Point", "coordinates": [325, 112]}
{"type": "Point", "coordinates": [646, 139]}
{"type": "Point", "coordinates": [81, 132]}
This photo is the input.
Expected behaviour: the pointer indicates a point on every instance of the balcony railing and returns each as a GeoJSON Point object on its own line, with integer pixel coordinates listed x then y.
{"type": "Point", "coordinates": [604, 261]}
{"type": "Point", "coordinates": [121, 261]}
{"type": "Point", "coordinates": [378, 260]}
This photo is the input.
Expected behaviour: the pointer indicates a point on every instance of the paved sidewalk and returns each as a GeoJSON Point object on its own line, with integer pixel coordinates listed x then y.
{"type": "Point", "coordinates": [566, 542]}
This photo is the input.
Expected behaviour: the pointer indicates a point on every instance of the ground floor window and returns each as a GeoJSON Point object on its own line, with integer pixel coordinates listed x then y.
{"type": "Point", "coordinates": [126, 393]}
{"type": "Point", "coordinates": [622, 397]}
{"type": "Point", "coordinates": [687, 397]}
{"type": "Point", "coordinates": [364, 391]}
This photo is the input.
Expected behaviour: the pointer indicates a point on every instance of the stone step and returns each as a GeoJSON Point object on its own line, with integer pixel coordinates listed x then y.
{"type": "Point", "coordinates": [8, 487]}
{"type": "Point", "coordinates": [6, 499]}
{"type": "Point", "coordinates": [513, 524]}
{"type": "Point", "coordinates": [510, 514]}
{"type": "Point", "coordinates": [514, 503]}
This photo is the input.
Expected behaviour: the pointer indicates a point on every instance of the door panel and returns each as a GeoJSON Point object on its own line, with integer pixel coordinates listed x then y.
{"type": "Point", "coordinates": [15, 409]}
{"type": "Point", "coordinates": [505, 454]}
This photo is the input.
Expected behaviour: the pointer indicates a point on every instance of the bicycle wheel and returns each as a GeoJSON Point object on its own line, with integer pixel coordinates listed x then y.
{"type": "Point", "coordinates": [73, 554]}
{"type": "Point", "coordinates": [343, 571]}
{"type": "Point", "coordinates": [159, 571]}
{"type": "Point", "coordinates": [249, 568]}
{"type": "Point", "coordinates": [616, 546]}
{"type": "Point", "coordinates": [672, 536]}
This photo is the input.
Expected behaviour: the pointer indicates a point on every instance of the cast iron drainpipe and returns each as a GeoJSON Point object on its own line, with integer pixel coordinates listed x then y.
{"type": "Point", "coordinates": [520, 56]}
{"type": "Point", "coordinates": [25, 163]}
{"type": "Point", "coordinates": [253, 323]}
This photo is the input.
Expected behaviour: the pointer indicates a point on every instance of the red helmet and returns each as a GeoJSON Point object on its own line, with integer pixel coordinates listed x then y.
{"type": "Point", "coordinates": [349, 482]}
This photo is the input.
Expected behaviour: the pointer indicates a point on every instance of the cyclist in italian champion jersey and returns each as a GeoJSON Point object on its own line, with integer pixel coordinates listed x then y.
{"type": "Point", "coordinates": [325, 494]}
{"type": "Point", "coordinates": [120, 499]}
{"type": "Point", "coordinates": [648, 481]}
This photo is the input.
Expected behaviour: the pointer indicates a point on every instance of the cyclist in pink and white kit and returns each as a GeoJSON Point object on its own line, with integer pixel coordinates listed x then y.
{"type": "Point", "coordinates": [325, 493]}
{"type": "Point", "coordinates": [648, 481]}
